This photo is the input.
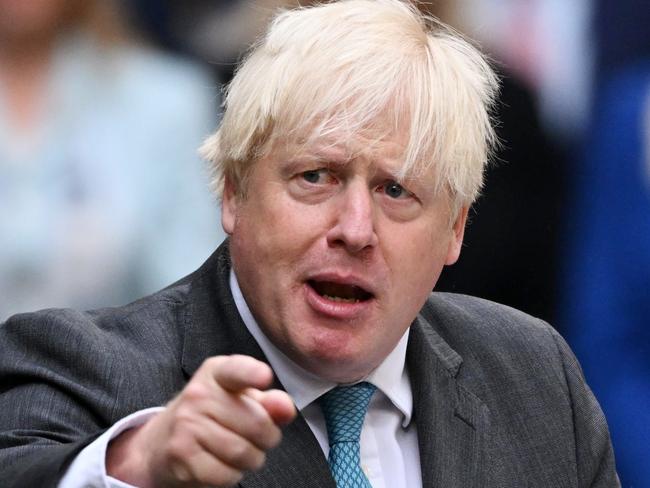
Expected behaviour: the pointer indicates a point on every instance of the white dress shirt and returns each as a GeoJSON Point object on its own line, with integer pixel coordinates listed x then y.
{"type": "Point", "coordinates": [389, 445]}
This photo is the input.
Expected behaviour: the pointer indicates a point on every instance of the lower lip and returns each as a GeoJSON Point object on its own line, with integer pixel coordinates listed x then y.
{"type": "Point", "coordinates": [335, 310]}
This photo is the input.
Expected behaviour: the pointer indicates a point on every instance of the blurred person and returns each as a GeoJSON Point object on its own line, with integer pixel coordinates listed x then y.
{"type": "Point", "coordinates": [621, 36]}
{"type": "Point", "coordinates": [607, 262]}
{"type": "Point", "coordinates": [101, 196]}
{"type": "Point", "coordinates": [352, 145]}
{"type": "Point", "coordinates": [216, 31]}
{"type": "Point", "coordinates": [544, 42]}
{"type": "Point", "coordinates": [606, 305]}
{"type": "Point", "coordinates": [509, 249]}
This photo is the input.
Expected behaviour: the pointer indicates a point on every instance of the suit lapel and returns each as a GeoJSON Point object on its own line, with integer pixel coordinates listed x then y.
{"type": "Point", "coordinates": [451, 422]}
{"type": "Point", "coordinates": [297, 462]}
{"type": "Point", "coordinates": [213, 327]}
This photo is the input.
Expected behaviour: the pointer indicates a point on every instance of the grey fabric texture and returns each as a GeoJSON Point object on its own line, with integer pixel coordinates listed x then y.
{"type": "Point", "coordinates": [499, 399]}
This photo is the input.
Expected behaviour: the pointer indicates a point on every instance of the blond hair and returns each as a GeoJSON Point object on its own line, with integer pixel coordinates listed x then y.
{"type": "Point", "coordinates": [337, 68]}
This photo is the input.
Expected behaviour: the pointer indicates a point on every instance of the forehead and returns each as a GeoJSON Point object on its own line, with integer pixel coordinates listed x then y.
{"type": "Point", "coordinates": [381, 142]}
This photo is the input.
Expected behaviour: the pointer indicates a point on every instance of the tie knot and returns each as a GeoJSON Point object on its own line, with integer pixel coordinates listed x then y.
{"type": "Point", "coordinates": [344, 408]}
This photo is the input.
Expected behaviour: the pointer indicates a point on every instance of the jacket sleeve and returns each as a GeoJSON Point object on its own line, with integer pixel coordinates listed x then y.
{"type": "Point", "coordinates": [53, 395]}
{"type": "Point", "coordinates": [594, 453]}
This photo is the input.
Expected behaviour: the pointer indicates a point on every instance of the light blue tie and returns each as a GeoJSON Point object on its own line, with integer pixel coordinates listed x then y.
{"type": "Point", "coordinates": [344, 408]}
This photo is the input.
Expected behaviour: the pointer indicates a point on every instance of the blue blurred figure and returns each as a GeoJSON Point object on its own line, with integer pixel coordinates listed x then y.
{"type": "Point", "coordinates": [102, 195]}
{"type": "Point", "coordinates": [607, 293]}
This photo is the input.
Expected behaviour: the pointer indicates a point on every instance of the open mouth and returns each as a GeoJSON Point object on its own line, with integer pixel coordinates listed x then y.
{"type": "Point", "coordinates": [339, 292]}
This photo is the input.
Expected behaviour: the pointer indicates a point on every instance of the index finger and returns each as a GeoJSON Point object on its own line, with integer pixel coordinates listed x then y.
{"type": "Point", "coordinates": [238, 372]}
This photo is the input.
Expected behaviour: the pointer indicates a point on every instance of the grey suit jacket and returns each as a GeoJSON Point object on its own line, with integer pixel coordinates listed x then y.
{"type": "Point", "coordinates": [499, 399]}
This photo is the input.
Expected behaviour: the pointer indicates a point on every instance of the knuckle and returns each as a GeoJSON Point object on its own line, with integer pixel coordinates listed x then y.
{"type": "Point", "coordinates": [183, 424]}
{"type": "Point", "coordinates": [232, 476]}
{"type": "Point", "coordinates": [182, 416]}
{"type": "Point", "coordinates": [212, 362]}
{"type": "Point", "coordinates": [272, 437]}
{"type": "Point", "coordinates": [240, 453]}
{"type": "Point", "coordinates": [177, 449]}
{"type": "Point", "coordinates": [244, 455]}
{"type": "Point", "coordinates": [259, 424]}
{"type": "Point", "coordinates": [258, 460]}
{"type": "Point", "coordinates": [180, 471]}
{"type": "Point", "coordinates": [224, 476]}
{"type": "Point", "coordinates": [196, 391]}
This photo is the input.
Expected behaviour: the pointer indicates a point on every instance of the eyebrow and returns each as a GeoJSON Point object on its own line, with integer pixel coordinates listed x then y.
{"type": "Point", "coordinates": [327, 154]}
{"type": "Point", "coordinates": [331, 156]}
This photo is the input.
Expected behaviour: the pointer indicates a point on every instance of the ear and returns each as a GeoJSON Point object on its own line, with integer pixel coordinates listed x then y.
{"type": "Point", "coordinates": [458, 231]}
{"type": "Point", "coordinates": [229, 207]}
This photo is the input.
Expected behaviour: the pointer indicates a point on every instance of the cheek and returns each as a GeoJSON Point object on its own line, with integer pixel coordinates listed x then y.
{"type": "Point", "coordinates": [416, 259]}
{"type": "Point", "coordinates": [277, 231]}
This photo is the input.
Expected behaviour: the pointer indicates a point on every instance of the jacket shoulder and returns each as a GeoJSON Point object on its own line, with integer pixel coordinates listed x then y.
{"type": "Point", "coordinates": [529, 380]}
{"type": "Point", "coordinates": [106, 351]}
{"type": "Point", "coordinates": [471, 324]}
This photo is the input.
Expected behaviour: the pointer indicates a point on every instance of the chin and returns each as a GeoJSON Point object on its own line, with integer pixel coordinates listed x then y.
{"type": "Point", "coordinates": [341, 371]}
{"type": "Point", "coordinates": [339, 362]}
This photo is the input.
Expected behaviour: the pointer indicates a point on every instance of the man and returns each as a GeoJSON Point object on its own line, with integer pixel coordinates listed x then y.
{"type": "Point", "coordinates": [352, 145]}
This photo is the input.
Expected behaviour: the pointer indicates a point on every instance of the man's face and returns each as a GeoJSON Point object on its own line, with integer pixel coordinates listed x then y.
{"type": "Point", "coordinates": [335, 258]}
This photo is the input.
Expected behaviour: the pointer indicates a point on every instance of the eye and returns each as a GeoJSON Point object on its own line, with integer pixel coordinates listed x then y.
{"type": "Point", "coordinates": [314, 176]}
{"type": "Point", "coordinates": [394, 190]}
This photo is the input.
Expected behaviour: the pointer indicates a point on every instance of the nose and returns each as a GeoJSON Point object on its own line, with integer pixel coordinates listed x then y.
{"type": "Point", "coordinates": [354, 224]}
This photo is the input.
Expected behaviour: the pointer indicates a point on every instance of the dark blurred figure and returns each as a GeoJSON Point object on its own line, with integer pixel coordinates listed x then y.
{"type": "Point", "coordinates": [102, 195]}
{"type": "Point", "coordinates": [215, 31]}
{"type": "Point", "coordinates": [621, 35]}
{"type": "Point", "coordinates": [509, 253]}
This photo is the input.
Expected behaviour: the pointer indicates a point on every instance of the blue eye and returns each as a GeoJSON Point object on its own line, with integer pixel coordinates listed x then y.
{"type": "Point", "coordinates": [312, 176]}
{"type": "Point", "coordinates": [394, 190]}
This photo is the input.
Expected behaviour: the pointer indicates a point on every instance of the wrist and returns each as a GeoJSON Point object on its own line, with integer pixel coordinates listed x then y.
{"type": "Point", "coordinates": [125, 461]}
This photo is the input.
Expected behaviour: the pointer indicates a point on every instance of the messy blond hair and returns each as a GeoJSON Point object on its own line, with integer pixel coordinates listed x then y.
{"type": "Point", "coordinates": [336, 68]}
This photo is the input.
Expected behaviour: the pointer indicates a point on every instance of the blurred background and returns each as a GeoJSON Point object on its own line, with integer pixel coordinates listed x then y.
{"type": "Point", "coordinates": [103, 198]}
{"type": "Point", "coordinates": [102, 195]}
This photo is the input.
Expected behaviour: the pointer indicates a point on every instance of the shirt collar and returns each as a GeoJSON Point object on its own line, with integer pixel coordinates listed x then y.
{"type": "Point", "coordinates": [304, 387]}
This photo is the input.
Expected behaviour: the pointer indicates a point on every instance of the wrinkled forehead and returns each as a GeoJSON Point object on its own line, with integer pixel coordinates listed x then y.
{"type": "Point", "coordinates": [375, 71]}
{"type": "Point", "coordinates": [341, 138]}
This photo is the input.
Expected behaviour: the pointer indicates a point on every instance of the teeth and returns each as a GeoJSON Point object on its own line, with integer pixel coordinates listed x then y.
{"type": "Point", "coordinates": [341, 299]}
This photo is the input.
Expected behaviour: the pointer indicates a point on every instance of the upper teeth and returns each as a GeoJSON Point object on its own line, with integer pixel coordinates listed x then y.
{"type": "Point", "coordinates": [341, 299]}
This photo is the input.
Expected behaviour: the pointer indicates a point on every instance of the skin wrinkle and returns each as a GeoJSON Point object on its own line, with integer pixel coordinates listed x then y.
{"type": "Point", "coordinates": [436, 130]}
{"type": "Point", "coordinates": [385, 116]}
{"type": "Point", "coordinates": [348, 224]}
